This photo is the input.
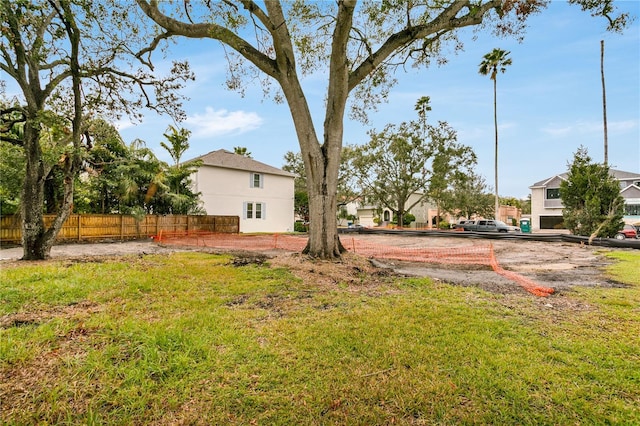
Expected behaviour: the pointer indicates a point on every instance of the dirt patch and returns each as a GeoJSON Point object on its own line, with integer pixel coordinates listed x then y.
{"type": "Point", "coordinates": [550, 264]}
{"type": "Point", "coordinates": [37, 316]}
{"type": "Point", "coordinates": [249, 258]}
{"type": "Point", "coordinates": [353, 272]}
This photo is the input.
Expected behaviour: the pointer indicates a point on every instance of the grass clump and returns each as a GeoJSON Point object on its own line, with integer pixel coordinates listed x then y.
{"type": "Point", "coordinates": [191, 338]}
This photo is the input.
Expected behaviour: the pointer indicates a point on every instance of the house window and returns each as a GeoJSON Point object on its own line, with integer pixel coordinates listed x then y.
{"type": "Point", "coordinates": [553, 193]}
{"type": "Point", "coordinates": [254, 210]}
{"type": "Point", "coordinates": [632, 210]}
{"type": "Point", "coordinates": [256, 180]}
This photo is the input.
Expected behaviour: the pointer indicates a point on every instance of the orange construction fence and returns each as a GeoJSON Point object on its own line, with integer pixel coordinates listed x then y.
{"type": "Point", "coordinates": [471, 255]}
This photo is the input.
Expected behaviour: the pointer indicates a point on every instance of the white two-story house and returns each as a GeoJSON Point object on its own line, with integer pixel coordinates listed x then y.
{"type": "Point", "coordinates": [236, 185]}
{"type": "Point", "coordinates": [546, 205]}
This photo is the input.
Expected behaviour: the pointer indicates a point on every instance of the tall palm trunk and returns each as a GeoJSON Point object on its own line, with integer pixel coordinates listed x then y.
{"type": "Point", "coordinates": [494, 61]}
{"type": "Point", "coordinates": [604, 105]}
{"type": "Point", "coordinates": [495, 170]}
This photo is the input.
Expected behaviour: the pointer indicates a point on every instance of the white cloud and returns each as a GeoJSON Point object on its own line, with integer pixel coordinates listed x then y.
{"type": "Point", "coordinates": [507, 125]}
{"type": "Point", "coordinates": [123, 124]}
{"type": "Point", "coordinates": [622, 126]}
{"type": "Point", "coordinates": [588, 127]}
{"type": "Point", "coordinates": [557, 130]}
{"type": "Point", "coordinates": [222, 122]}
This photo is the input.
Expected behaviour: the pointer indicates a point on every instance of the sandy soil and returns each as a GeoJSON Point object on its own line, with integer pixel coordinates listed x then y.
{"type": "Point", "coordinates": [551, 264]}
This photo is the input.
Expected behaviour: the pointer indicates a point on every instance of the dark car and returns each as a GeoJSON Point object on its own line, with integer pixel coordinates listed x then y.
{"type": "Point", "coordinates": [627, 231]}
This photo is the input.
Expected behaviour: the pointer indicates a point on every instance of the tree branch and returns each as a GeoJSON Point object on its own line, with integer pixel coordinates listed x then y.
{"type": "Point", "coordinates": [149, 49]}
{"type": "Point", "coordinates": [52, 65]}
{"type": "Point", "coordinates": [445, 21]}
{"type": "Point", "coordinates": [209, 30]}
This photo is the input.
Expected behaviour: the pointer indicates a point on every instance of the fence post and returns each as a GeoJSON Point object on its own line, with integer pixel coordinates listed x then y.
{"type": "Point", "coordinates": [121, 227]}
{"type": "Point", "coordinates": [79, 227]}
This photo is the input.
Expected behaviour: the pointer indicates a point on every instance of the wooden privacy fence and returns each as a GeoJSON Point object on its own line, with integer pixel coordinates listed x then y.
{"type": "Point", "coordinates": [109, 226]}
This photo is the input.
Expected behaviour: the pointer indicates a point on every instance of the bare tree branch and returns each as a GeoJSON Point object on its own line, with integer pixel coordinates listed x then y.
{"type": "Point", "coordinates": [149, 49]}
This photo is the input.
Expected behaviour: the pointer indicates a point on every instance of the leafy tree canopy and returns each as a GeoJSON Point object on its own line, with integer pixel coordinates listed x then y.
{"type": "Point", "coordinates": [591, 197]}
{"type": "Point", "coordinates": [241, 150]}
{"type": "Point", "coordinates": [470, 197]}
{"type": "Point", "coordinates": [71, 58]}
{"type": "Point", "coordinates": [412, 158]}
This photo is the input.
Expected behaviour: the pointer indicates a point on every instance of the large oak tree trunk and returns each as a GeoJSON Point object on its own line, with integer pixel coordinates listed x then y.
{"type": "Point", "coordinates": [323, 232]}
{"type": "Point", "coordinates": [322, 181]}
{"type": "Point", "coordinates": [37, 240]}
{"type": "Point", "coordinates": [322, 184]}
{"type": "Point", "coordinates": [33, 230]}
{"type": "Point", "coordinates": [322, 161]}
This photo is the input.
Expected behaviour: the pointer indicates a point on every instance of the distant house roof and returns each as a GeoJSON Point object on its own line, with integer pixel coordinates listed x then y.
{"type": "Point", "coordinates": [229, 160]}
{"type": "Point", "coordinates": [544, 183]}
{"type": "Point", "coordinates": [631, 191]}
{"type": "Point", "coordinates": [618, 174]}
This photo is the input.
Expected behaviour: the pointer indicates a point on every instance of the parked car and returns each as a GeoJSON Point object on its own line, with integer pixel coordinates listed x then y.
{"type": "Point", "coordinates": [468, 225]}
{"type": "Point", "coordinates": [489, 225]}
{"type": "Point", "coordinates": [627, 231]}
{"type": "Point", "coordinates": [460, 225]}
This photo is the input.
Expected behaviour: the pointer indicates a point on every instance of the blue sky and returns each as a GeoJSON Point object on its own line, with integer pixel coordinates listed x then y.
{"type": "Point", "coordinates": [549, 101]}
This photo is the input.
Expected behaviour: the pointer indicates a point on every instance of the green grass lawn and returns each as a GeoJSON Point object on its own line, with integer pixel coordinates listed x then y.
{"type": "Point", "coordinates": [189, 338]}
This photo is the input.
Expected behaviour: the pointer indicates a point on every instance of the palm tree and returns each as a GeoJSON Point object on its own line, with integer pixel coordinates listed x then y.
{"type": "Point", "coordinates": [178, 143]}
{"type": "Point", "coordinates": [492, 62]}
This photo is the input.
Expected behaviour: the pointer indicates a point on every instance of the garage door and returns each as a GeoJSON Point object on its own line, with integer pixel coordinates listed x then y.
{"type": "Point", "coordinates": [551, 222]}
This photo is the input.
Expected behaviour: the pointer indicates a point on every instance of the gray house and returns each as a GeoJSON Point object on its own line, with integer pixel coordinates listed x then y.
{"type": "Point", "coordinates": [546, 205]}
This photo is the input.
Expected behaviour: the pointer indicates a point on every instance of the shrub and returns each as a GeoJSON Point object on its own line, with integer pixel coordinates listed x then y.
{"type": "Point", "coordinates": [408, 218]}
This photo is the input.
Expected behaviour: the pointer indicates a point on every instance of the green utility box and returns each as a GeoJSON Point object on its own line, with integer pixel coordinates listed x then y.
{"type": "Point", "coordinates": [525, 225]}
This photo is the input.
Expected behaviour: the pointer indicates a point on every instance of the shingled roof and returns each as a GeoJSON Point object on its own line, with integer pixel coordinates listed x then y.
{"type": "Point", "coordinates": [617, 174]}
{"type": "Point", "coordinates": [229, 160]}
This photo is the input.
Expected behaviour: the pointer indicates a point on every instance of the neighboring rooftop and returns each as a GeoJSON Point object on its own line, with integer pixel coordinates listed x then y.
{"type": "Point", "coordinates": [229, 160]}
{"type": "Point", "coordinates": [618, 174]}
